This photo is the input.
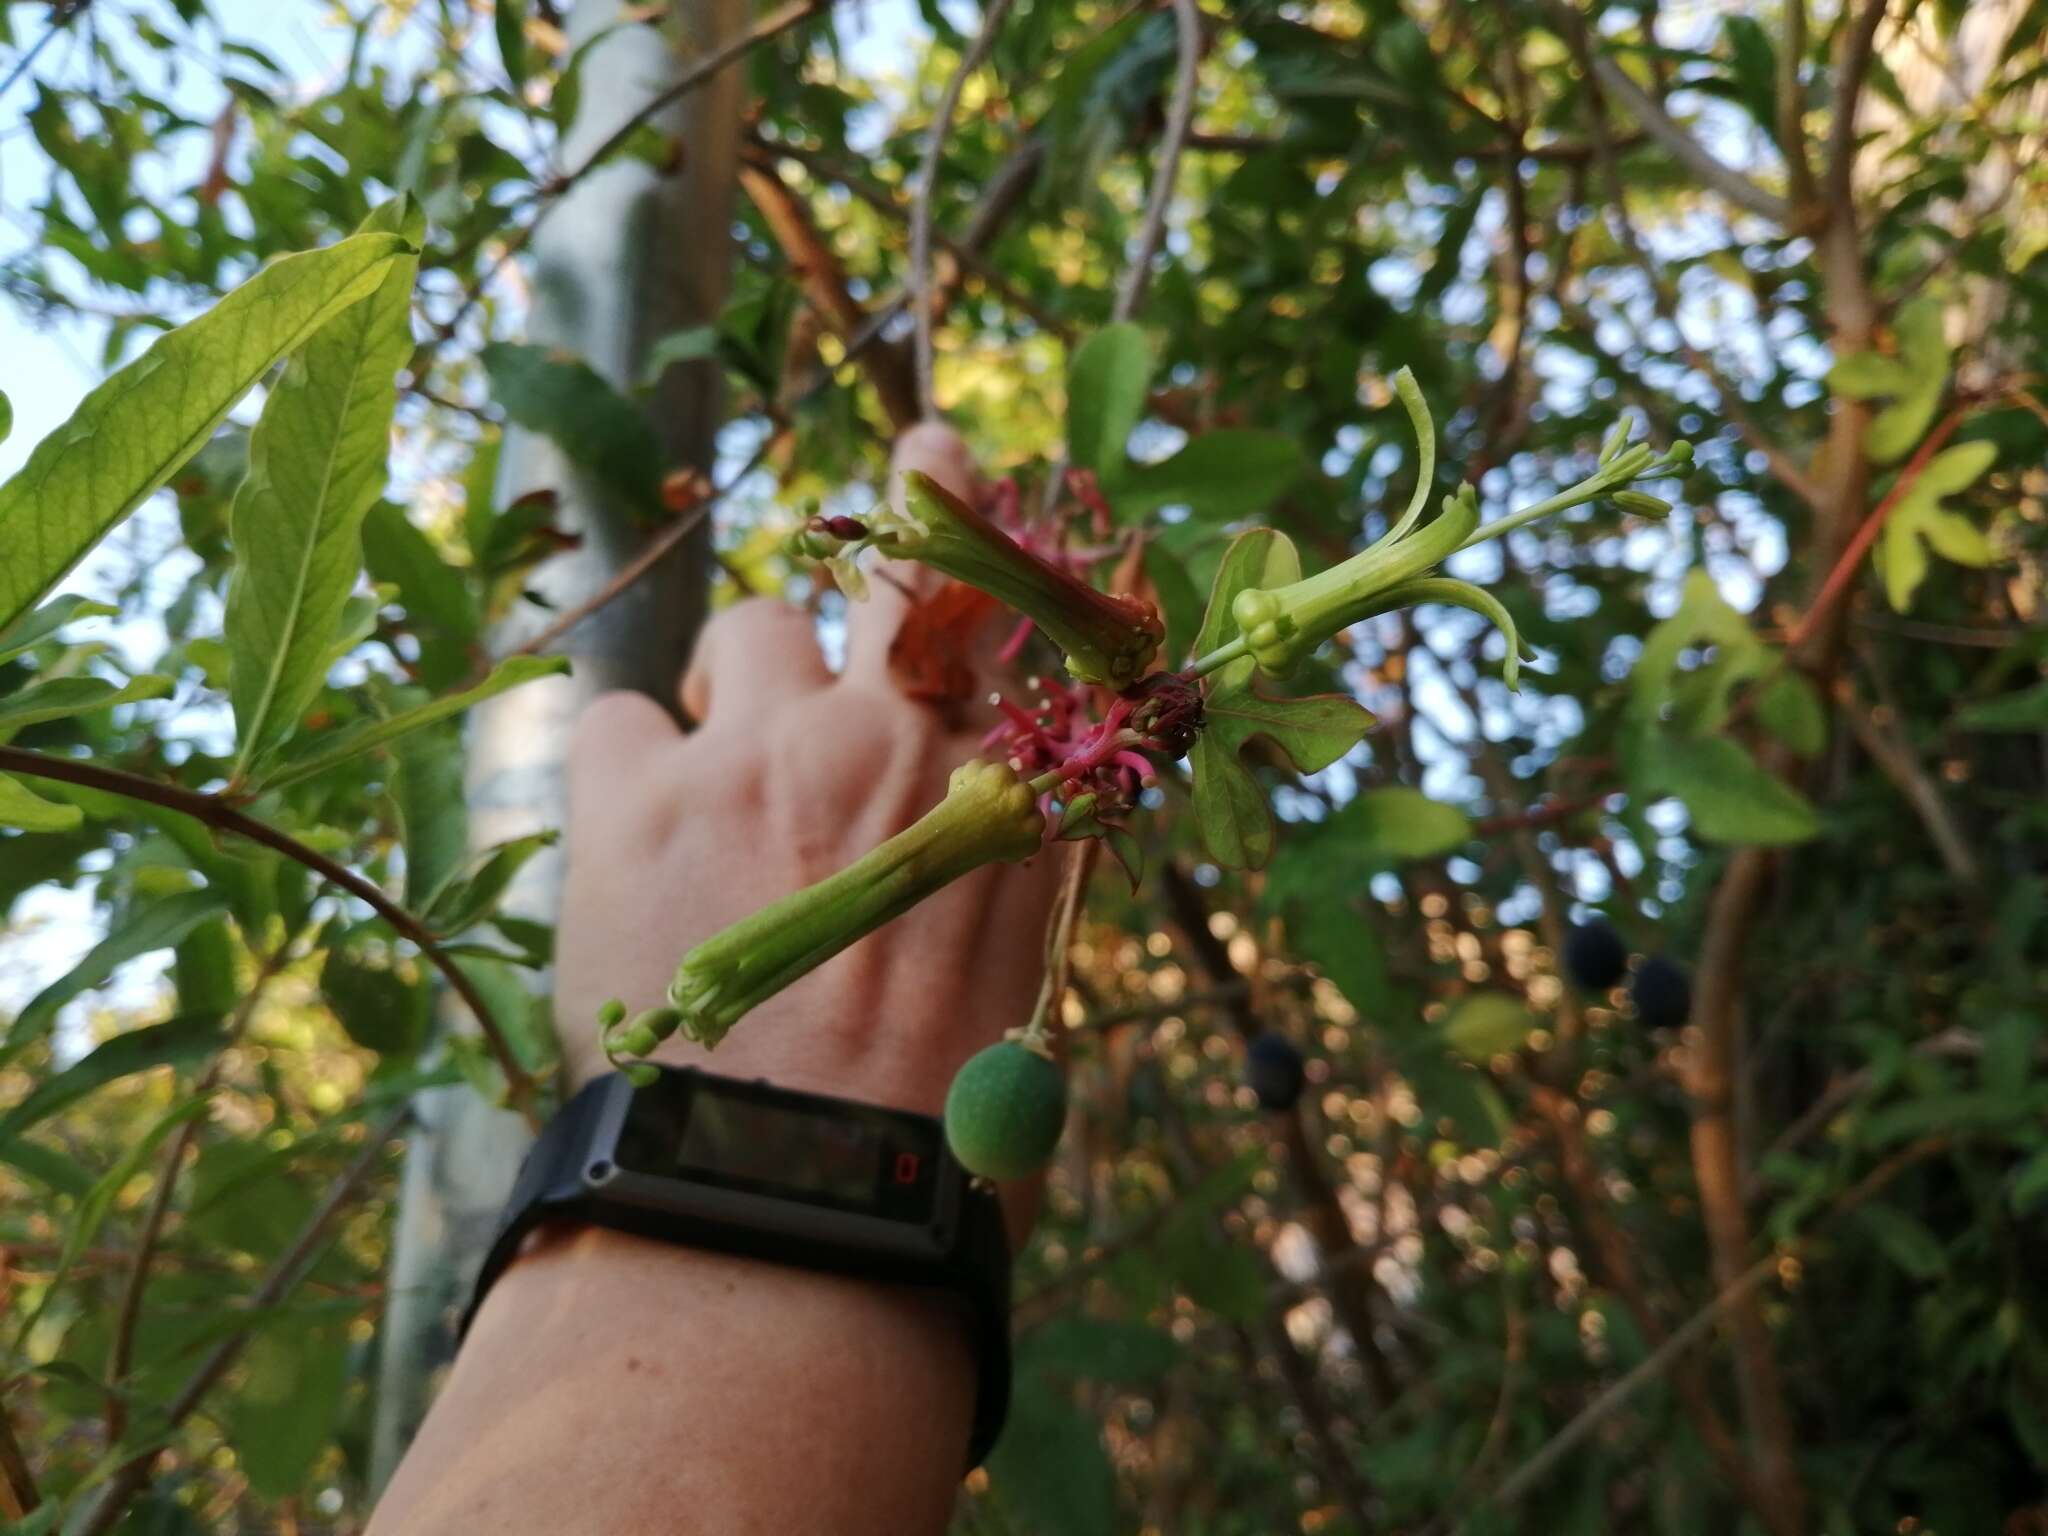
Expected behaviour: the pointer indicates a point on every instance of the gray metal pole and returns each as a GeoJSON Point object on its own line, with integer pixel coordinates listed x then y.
{"type": "Point", "coordinates": [632, 256]}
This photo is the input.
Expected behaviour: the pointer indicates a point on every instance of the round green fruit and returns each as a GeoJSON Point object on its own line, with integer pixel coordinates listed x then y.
{"type": "Point", "coordinates": [1005, 1111]}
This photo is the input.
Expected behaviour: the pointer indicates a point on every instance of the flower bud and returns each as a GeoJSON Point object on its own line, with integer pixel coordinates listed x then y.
{"type": "Point", "coordinates": [1642, 504]}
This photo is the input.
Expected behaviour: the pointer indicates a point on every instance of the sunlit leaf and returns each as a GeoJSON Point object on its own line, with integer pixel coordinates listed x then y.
{"type": "Point", "coordinates": [152, 926]}
{"type": "Point", "coordinates": [1919, 521]}
{"type": "Point", "coordinates": [317, 462]}
{"type": "Point", "coordinates": [22, 807]}
{"type": "Point", "coordinates": [320, 753]}
{"type": "Point", "coordinates": [1487, 1024]}
{"type": "Point", "coordinates": [47, 620]}
{"type": "Point", "coordinates": [132, 432]}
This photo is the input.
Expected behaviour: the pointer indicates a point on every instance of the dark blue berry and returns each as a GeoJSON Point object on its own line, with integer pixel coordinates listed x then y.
{"type": "Point", "coordinates": [1595, 956]}
{"type": "Point", "coordinates": [1273, 1071]}
{"type": "Point", "coordinates": [1662, 993]}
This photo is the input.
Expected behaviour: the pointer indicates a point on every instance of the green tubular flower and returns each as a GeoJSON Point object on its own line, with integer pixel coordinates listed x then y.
{"type": "Point", "coordinates": [1281, 625]}
{"type": "Point", "coordinates": [1106, 639]}
{"type": "Point", "coordinates": [1278, 626]}
{"type": "Point", "coordinates": [989, 815]}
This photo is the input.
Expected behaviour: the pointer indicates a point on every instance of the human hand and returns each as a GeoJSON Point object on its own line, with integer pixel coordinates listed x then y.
{"type": "Point", "coordinates": [793, 774]}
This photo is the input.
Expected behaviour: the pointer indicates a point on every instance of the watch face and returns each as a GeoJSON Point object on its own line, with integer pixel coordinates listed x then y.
{"type": "Point", "coordinates": [761, 1140]}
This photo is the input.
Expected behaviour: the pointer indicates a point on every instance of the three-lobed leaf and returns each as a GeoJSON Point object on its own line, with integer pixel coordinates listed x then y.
{"type": "Point", "coordinates": [1919, 521]}
{"type": "Point", "coordinates": [1730, 797]}
{"type": "Point", "coordinates": [134, 431]}
{"type": "Point", "coordinates": [317, 463]}
{"type": "Point", "coordinates": [1913, 381]}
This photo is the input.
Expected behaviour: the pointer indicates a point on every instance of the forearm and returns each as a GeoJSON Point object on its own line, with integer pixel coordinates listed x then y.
{"type": "Point", "coordinates": [612, 1385]}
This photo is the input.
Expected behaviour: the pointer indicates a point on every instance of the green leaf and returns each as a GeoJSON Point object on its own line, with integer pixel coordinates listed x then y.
{"type": "Point", "coordinates": [97, 1201]}
{"type": "Point", "coordinates": [433, 815]}
{"type": "Point", "coordinates": [1487, 1024]}
{"type": "Point", "coordinates": [59, 1171]}
{"type": "Point", "coordinates": [380, 1009]}
{"type": "Point", "coordinates": [1703, 617]}
{"type": "Point", "coordinates": [1262, 557]}
{"type": "Point", "coordinates": [438, 602]}
{"type": "Point", "coordinates": [2023, 711]}
{"type": "Point", "coordinates": [288, 1402]}
{"type": "Point", "coordinates": [1230, 807]}
{"type": "Point", "coordinates": [1789, 707]}
{"type": "Point", "coordinates": [318, 460]}
{"type": "Point", "coordinates": [6, 416]}
{"type": "Point", "coordinates": [1049, 1472]}
{"type": "Point", "coordinates": [1098, 1350]}
{"type": "Point", "coordinates": [1919, 517]}
{"type": "Point", "coordinates": [1914, 381]}
{"type": "Point", "coordinates": [1730, 798]}
{"type": "Point", "coordinates": [1219, 476]}
{"type": "Point", "coordinates": [1903, 1239]}
{"type": "Point", "coordinates": [465, 903]}
{"type": "Point", "coordinates": [598, 429]}
{"type": "Point", "coordinates": [1392, 825]}
{"type": "Point", "coordinates": [1869, 376]}
{"type": "Point", "coordinates": [1107, 383]}
{"type": "Point", "coordinates": [187, 1038]}
{"type": "Point", "coordinates": [509, 19]}
{"type": "Point", "coordinates": [321, 753]}
{"type": "Point", "coordinates": [47, 620]}
{"type": "Point", "coordinates": [690, 345]}
{"type": "Point", "coordinates": [64, 696]}
{"type": "Point", "coordinates": [1313, 732]}
{"type": "Point", "coordinates": [21, 807]}
{"type": "Point", "coordinates": [134, 431]}
{"type": "Point", "coordinates": [152, 926]}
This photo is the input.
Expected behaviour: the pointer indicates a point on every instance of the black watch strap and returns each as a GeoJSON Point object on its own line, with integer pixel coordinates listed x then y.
{"type": "Point", "coordinates": [553, 1186]}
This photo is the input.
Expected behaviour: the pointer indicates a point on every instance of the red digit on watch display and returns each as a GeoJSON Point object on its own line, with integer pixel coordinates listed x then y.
{"type": "Point", "coordinates": [906, 1167]}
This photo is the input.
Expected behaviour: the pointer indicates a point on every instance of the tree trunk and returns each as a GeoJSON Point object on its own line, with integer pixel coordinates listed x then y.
{"type": "Point", "coordinates": [636, 255]}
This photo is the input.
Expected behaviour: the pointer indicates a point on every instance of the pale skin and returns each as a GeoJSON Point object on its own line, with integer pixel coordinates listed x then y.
{"type": "Point", "coordinates": [615, 1385]}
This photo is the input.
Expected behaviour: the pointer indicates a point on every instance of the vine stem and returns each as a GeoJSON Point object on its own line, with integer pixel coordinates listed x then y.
{"type": "Point", "coordinates": [1066, 913]}
{"type": "Point", "coordinates": [134, 1474]}
{"type": "Point", "coordinates": [212, 811]}
{"type": "Point", "coordinates": [1180, 117]}
{"type": "Point", "coordinates": [121, 1352]}
{"type": "Point", "coordinates": [1844, 570]}
{"type": "Point", "coordinates": [921, 202]}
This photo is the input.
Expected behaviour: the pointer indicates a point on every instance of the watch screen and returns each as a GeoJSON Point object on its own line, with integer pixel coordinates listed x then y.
{"type": "Point", "coordinates": [748, 1137]}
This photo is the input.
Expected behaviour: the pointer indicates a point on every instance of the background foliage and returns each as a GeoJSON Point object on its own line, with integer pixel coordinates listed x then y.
{"type": "Point", "coordinates": [1806, 767]}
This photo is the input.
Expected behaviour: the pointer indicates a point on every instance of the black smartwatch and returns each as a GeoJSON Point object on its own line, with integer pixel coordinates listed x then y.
{"type": "Point", "coordinates": [794, 1178]}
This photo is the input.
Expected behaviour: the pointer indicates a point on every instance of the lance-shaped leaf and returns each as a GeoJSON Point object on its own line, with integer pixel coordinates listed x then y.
{"type": "Point", "coordinates": [39, 626]}
{"type": "Point", "coordinates": [62, 696]}
{"type": "Point", "coordinates": [134, 431]}
{"type": "Point", "coordinates": [154, 925]}
{"type": "Point", "coordinates": [22, 807]}
{"type": "Point", "coordinates": [1919, 522]}
{"type": "Point", "coordinates": [324, 752]}
{"type": "Point", "coordinates": [317, 463]}
{"type": "Point", "coordinates": [1106, 387]}
{"type": "Point", "coordinates": [1230, 806]}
